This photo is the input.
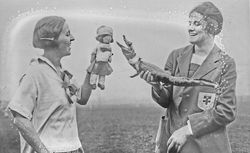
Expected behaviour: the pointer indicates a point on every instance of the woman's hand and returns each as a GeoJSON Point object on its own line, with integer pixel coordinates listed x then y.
{"type": "Point", "coordinates": [86, 90]}
{"type": "Point", "coordinates": [147, 76]}
{"type": "Point", "coordinates": [178, 139]}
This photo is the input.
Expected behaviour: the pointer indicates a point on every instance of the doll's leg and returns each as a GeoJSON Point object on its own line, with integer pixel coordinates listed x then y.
{"type": "Point", "coordinates": [93, 79]}
{"type": "Point", "coordinates": [101, 83]}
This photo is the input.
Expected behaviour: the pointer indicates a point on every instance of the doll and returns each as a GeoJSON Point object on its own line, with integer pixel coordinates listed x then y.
{"type": "Point", "coordinates": [101, 57]}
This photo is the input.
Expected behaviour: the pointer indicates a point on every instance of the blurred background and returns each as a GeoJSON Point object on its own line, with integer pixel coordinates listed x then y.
{"type": "Point", "coordinates": [155, 27]}
{"type": "Point", "coordinates": [123, 117]}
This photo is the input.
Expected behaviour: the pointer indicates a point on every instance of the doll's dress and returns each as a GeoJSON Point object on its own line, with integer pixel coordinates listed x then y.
{"type": "Point", "coordinates": [100, 65]}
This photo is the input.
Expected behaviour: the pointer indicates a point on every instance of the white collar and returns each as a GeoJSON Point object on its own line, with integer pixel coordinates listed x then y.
{"type": "Point", "coordinates": [44, 59]}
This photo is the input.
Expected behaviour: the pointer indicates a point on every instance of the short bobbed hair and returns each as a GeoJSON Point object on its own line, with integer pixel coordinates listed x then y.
{"type": "Point", "coordinates": [212, 16]}
{"type": "Point", "coordinates": [47, 31]}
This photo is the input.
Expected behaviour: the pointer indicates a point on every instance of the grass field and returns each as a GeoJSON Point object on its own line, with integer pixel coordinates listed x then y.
{"type": "Point", "coordinates": [125, 129]}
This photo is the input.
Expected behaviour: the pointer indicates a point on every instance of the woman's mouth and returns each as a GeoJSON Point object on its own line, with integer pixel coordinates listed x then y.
{"type": "Point", "coordinates": [192, 34]}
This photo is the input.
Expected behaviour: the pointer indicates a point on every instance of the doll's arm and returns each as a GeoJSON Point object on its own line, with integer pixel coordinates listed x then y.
{"type": "Point", "coordinates": [93, 55]}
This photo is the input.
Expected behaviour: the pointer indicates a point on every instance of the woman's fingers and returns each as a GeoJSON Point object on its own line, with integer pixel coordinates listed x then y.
{"type": "Point", "coordinates": [169, 141]}
{"type": "Point", "coordinates": [178, 146]}
{"type": "Point", "coordinates": [142, 74]}
{"type": "Point", "coordinates": [170, 146]}
{"type": "Point", "coordinates": [149, 77]}
{"type": "Point", "coordinates": [146, 75]}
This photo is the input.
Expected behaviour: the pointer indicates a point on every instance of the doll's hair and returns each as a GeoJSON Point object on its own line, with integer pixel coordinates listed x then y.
{"type": "Point", "coordinates": [103, 31]}
{"type": "Point", "coordinates": [47, 31]}
{"type": "Point", "coordinates": [211, 15]}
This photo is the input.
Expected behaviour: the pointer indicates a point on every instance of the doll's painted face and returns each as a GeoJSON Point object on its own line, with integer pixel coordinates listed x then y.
{"type": "Point", "coordinates": [107, 39]}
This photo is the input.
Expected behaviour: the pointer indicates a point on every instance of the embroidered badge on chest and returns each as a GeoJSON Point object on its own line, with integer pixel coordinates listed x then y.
{"type": "Point", "coordinates": [206, 100]}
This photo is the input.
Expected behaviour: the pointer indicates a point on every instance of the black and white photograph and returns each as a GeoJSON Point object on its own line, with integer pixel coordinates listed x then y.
{"type": "Point", "coordinates": [124, 76]}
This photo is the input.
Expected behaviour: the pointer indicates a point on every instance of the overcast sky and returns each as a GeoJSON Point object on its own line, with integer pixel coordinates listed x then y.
{"type": "Point", "coordinates": [155, 26]}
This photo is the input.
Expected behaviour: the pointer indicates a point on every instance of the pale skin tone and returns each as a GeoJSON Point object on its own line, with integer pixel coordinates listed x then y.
{"type": "Point", "coordinates": [54, 54]}
{"type": "Point", "coordinates": [204, 42]}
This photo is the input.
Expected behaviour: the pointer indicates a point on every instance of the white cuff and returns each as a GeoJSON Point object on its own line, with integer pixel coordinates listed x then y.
{"type": "Point", "coordinates": [189, 127]}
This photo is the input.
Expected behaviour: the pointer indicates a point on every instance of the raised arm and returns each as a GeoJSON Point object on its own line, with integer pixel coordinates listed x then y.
{"type": "Point", "coordinates": [86, 91]}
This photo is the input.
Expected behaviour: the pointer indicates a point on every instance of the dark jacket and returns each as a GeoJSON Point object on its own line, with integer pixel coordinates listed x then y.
{"type": "Point", "coordinates": [208, 110]}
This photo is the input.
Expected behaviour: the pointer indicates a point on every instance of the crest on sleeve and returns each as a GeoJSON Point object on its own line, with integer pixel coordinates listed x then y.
{"type": "Point", "coordinates": [206, 100]}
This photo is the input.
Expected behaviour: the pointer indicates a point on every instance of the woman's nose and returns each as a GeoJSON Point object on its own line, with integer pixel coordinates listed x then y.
{"type": "Point", "coordinates": [190, 27]}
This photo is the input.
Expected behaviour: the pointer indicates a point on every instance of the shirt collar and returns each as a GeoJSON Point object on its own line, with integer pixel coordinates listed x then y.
{"type": "Point", "coordinates": [46, 60]}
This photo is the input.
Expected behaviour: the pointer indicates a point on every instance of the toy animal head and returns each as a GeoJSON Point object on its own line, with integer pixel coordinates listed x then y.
{"type": "Point", "coordinates": [128, 51]}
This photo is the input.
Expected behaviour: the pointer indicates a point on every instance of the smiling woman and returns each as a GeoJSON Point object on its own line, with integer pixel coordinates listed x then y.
{"type": "Point", "coordinates": [64, 40]}
{"type": "Point", "coordinates": [196, 28]}
{"type": "Point", "coordinates": [83, 25]}
{"type": "Point", "coordinates": [44, 105]}
{"type": "Point", "coordinates": [161, 24]}
{"type": "Point", "coordinates": [156, 27]}
{"type": "Point", "coordinates": [59, 39]}
{"type": "Point", "coordinates": [197, 117]}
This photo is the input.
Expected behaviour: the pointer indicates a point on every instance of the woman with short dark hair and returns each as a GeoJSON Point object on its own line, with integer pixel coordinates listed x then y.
{"type": "Point", "coordinates": [44, 105]}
